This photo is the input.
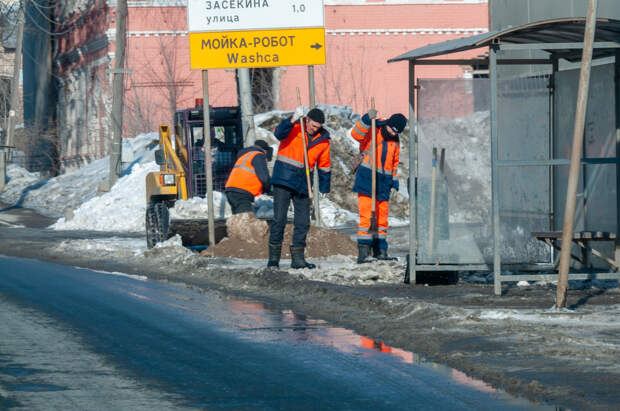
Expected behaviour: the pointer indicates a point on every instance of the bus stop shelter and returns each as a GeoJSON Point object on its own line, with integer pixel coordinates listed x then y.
{"type": "Point", "coordinates": [489, 156]}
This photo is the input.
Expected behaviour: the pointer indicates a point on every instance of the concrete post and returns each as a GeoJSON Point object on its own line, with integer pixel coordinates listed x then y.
{"type": "Point", "coordinates": [247, 112]}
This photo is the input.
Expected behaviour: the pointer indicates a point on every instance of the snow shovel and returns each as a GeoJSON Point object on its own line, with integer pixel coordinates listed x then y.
{"type": "Point", "coordinates": [305, 144]}
{"type": "Point", "coordinates": [373, 152]}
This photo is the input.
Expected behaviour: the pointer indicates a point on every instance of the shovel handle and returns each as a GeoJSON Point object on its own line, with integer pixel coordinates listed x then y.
{"type": "Point", "coordinates": [373, 153]}
{"type": "Point", "coordinates": [305, 146]}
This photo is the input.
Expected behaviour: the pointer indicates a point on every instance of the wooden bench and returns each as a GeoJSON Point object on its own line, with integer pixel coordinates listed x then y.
{"type": "Point", "coordinates": [583, 239]}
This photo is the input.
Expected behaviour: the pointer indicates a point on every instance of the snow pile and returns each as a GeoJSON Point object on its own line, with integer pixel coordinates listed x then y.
{"type": "Point", "coordinates": [121, 209]}
{"type": "Point", "coordinates": [50, 197]}
{"type": "Point", "coordinates": [341, 269]}
{"type": "Point", "coordinates": [199, 207]}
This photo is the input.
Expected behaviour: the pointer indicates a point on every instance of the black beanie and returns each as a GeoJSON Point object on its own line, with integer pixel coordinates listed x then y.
{"type": "Point", "coordinates": [262, 144]}
{"type": "Point", "coordinates": [266, 148]}
{"type": "Point", "coordinates": [398, 122]}
{"type": "Point", "coordinates": [316, 115]}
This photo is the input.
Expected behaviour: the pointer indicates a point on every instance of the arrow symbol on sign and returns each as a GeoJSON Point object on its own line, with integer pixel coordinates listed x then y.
{"type": "Point", "coordinates": [316, 46]}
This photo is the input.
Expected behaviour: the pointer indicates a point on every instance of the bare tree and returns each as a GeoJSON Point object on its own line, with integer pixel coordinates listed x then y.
{"type": "Point", "coordinates": [164, 71]}
{"type": "Point", "coordinates": [262, 89]}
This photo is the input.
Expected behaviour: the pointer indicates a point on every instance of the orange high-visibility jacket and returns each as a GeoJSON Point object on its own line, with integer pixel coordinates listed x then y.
{"type": "Point", "coordinates": [250, 173]}
{"type": "Point", "coordinates": [289, 169]}
{"type": "Point", "coordinates": [387, 158]}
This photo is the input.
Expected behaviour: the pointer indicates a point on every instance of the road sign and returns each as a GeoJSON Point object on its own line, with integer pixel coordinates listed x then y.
{"type": "Point", "coordinates": [258, 48]}
{"type": "Point", "coordinates": [237, 15]}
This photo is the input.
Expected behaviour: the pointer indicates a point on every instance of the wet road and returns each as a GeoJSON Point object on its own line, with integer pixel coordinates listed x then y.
{"type": "Point", "coordinates": [77, 339]}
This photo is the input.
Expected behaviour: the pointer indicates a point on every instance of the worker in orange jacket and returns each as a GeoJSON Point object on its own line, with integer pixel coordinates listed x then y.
{"type": "Point", "coordinates": [290, 184]}
{"type": "Point", "coordinates": [387, 158]}
{"type": "Point", "coordinates": [249, 177]}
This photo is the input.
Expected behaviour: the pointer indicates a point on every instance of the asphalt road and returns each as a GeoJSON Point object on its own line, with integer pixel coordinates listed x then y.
{"type": "Point", "coordinates": [78, 339]}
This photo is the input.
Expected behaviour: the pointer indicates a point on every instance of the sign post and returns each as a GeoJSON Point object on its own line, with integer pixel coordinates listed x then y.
{"type": "Point", "coordinates": [227, 34]}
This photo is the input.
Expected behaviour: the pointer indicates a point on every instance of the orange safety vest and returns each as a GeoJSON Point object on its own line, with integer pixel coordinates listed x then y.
{"type": "Point", "coordinates": [243, 175]}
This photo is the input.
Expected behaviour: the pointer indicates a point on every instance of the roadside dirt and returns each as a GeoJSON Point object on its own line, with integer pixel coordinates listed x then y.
{"type": "Point", "coordinates": [560, 363]}
{"type": "Point", "coordinates": [248, 236]}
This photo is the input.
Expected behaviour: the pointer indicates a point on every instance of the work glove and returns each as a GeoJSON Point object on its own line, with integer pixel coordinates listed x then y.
{"type": "Point", "coordinates": [395, 185]}
{"type": "Point", "coordinates": [372, 113]}
{"type": "Point", "coordinates": [299, 112]}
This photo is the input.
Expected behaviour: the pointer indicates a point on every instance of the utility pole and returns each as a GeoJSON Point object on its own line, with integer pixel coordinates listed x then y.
{"type": "Point", "coordinates": [247, 112]}
{"type": "Point", "coordinates": [17, 65]}
{"type": "Point", "coordinates": [206, 121]}
{"type": "Point", "coordinates": [117, 92]}
{"type": "Point", "coordinates": [575, 159]}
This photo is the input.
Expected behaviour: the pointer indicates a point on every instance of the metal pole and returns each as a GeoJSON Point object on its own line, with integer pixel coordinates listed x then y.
{"type": "Point", "coordinates": [17, 65]}
{"type": "Point", "coordinates": [247, 112]}
{"type": "Point", "coordinates": [117, 92]}
{"type": "Point", "coordinates": [206, 118]}
{"type": "Point", "coordinates": [315, 177]}
{"type": "Point", "coordinates": [617, 86]}
{"type": "Point", "coordinates": [412, 180]}
{"type": "Point", "coordinates": [431, 219]}
{"type": "Point", "coordinates": [575, 160]}
{"type": "Point", "coordinates": [3, 159]}
{"type": "Point", "coordinates": [553, 139]}
{"type": "Point", "coordinates": [497, 284]}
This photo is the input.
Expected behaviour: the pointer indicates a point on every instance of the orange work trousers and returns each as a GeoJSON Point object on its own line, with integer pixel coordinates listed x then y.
{"type": "Point", "coordinates": [364, 206]}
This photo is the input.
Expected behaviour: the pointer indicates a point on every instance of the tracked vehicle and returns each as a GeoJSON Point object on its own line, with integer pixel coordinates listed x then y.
{"type": "Point", "coordinates": [182, 171]}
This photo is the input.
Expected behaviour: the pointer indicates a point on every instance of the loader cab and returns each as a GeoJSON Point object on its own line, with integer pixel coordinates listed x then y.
{"type": "Point", "coordinates": [226, 142]}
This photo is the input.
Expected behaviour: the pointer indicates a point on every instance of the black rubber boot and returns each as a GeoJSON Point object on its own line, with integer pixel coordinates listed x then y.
{"type": "Point", "coordinates": [382, 255]}
{"type": "Point", "coordinates": [298, 260]}
{"type": "Point", "coordinates": [375, 248]}
{"type": "Point", "coordinates": [363, 252]}
{"type": "Point", "coordinates": [274, 255]}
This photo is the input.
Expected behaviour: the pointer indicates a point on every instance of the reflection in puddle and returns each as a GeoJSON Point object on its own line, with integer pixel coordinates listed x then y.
{"type": "Point", "coordinates": [267, 324]}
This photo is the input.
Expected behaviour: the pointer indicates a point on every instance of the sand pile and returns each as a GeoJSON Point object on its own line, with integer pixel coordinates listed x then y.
{"type": "Point", "coordinates": [247, 237]}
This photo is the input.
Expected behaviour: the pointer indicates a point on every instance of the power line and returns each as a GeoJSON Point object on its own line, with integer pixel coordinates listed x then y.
{"type": "Point", "coordinates": [41, 5]}
{"type": "Point", "coordinates": [41, 12]}
{"type": "Point", "coordinates": [44, 30]}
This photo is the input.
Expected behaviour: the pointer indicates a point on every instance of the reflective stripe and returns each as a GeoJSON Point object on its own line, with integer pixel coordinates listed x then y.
{"type": "Point", "coordinates": [290, 161]}
{"type": "Point", "coordinates": [325, 169]}
{"type": "Point", "coordinates": [358, 131]}
{"type": "Point", "coordinates": [379, 170]}
{"type": "Point", "coordinates": [248, 159]}
{"type": "Point", "coordinates": [382, 236]}
{"type": "Point", "coordinates": [364, 236]}
{"type": "Point", "coordinates": [363, 229]}
{"type": "Point", "coordinates": [246, 169]}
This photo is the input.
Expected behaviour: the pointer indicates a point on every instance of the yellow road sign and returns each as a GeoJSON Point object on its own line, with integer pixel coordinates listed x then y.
{"type": "Point", "coordinates": [257, 48]}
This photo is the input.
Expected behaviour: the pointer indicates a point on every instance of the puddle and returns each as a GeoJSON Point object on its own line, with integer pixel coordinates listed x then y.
{"type": "Point", "coordinates": [287, 326]}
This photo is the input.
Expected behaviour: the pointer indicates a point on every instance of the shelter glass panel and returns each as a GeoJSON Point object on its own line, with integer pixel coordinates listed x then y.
{"type": "Point", "coordinates": [454, 172]}
{"type": "Point", "coordinates": [524, 118]}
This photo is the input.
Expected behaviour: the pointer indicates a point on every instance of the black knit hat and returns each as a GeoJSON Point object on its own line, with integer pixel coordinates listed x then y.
{"type": "Point", "coordinates": [262, 144]}
{"type": "Point", "coordinates": [316, 115]}
{"type": "Point", "coordinates": [397, 122]}
{"type": "Point", "coordinates": [268, 150]}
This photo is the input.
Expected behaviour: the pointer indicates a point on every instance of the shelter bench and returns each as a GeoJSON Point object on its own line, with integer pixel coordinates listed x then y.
{"type": "Point", "coordinates": [583, 239]}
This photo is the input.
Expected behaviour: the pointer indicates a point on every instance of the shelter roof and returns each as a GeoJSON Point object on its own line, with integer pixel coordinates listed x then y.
{"type": "Point", "coordinates": [562, 30]}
